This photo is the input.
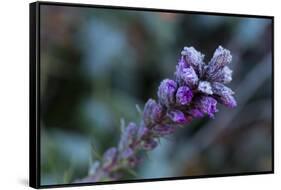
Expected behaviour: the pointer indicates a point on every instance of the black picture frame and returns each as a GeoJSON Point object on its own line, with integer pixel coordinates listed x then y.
{"type": "Point", "coordinates": [34, 93]}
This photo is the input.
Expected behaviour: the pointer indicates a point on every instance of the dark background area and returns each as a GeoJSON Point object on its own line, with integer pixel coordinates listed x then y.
{"type": "Point", "coordinates": [97, 64]}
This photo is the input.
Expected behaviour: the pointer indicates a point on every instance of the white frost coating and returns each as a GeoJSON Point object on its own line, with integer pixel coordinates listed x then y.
{"type": "Point", "coordinates": [205, 87]}
{"type": "Point", "coordinates": [227, 75]}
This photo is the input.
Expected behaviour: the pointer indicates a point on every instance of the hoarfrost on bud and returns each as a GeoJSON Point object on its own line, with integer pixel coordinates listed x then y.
{"type": "Point", "coordinates": [152, 113]}
{"type": "Point", "coordinates": [178, 116]}
{"type": "Point", "coordinates": [207, 105]}
{"type": "Point", "coordinates": [184, 95]}
{"type": "Point", "coordinates": [223, 76]}
{"type": "Point", "coordinates": [221, 58]}
{"type": "Point", "coordinates": [185, 74]}
{"type": "Point", "coordinates": [224, 95]}
{"type": "Point", "coordinates": [166, 92]}
{"type": "Point", "coordinates": [128, 137]}
{"type": "Point", "coordinates": [194, 58]}
{"type": "Point", "coordinates": [205, 87]}
{"type": "Point", "coordinates": [226, 75]}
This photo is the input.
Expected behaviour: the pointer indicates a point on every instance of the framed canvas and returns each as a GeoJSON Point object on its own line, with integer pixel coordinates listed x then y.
{"type": "Point", "coordinates": [122, 94]}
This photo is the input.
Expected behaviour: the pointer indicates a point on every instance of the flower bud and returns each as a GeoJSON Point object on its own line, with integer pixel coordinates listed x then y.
{"type": "Point", "coordinates": [205, 87]}
{"type": "Point", "coordinates": [194, 58]}
{"type": "Point", "coordinates": [178, 117]}
{"type": "Point", "coordinates": [166, 92]}
{"type": "Point", "coordinates": [184, 95]}
{"type": "Point", "coordinates": [153, 112]}
{"type": "Point", "coordinates": [207, 105]}
{"type": "Point", "coordinates": [128, 136]}
{"type": "Point", "coordinates": [224, 95]}
{"type": "Point", "coordinates": [221, 58]}
{"type": "Point", "coordinates": [185, 74]}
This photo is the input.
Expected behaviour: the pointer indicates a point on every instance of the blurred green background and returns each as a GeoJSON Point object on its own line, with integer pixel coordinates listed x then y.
{"type": "Point", "coordinates": [97, 64]}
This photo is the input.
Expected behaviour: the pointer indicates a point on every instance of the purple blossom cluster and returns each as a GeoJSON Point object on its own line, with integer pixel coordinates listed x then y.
{"type": "Point", "coordinates": [194, 93]}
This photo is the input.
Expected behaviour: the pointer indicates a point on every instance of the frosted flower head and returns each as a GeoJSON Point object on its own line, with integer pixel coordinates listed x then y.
{"type": "Point", "coordinates": [166, 92]}
{"type": "Point", "coordinates": [194, 93]}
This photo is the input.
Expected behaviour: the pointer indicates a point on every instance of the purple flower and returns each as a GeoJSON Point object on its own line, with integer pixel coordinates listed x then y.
{"type": "Point", "coordinates": [109, 158]}
{"type": "Point", "coordinates": [221, 58]}
{"type": "Point", "coordinates": [184, 95]}
{"type": "Point", "coordinates": [128, 137]}
{"type": "Point", "coordinates": [207, 105]}
{"type": "Point", "coordinates": [193, 58]}
{"type": "Point", "coordinates": [178, 117]}
{"type": "Point", "coordinates": [224, 95]}
{"type": "Point", "coordinates": [127, 153]}
{"type": "Point", "coordinates": [142, 131]}
{"type": "Point", "coordinates": [153, 112]}
{"type": "Point", "coordinates": [195, 112]}
{"type": "Point", "coordinates": [205, 87]}
{"type": "Point", "coordinates": [166, 92]}
{"type": "Point", "coordinates": [223, 76]}
{"type": "Point", "coordinates": [185, 74]}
